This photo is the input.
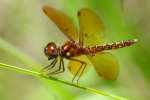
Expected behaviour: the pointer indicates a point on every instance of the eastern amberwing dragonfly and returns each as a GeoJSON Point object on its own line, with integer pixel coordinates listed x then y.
{"type": "Point", "coordinates": [79, 47]}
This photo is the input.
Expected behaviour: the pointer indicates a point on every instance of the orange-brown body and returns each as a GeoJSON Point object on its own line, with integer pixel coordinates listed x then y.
{"type": "Point", "coordinates": [71, 48]}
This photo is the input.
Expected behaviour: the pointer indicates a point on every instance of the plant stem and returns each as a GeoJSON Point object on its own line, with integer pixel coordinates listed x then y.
{"type": "Point", "coordinates": [38, 74]}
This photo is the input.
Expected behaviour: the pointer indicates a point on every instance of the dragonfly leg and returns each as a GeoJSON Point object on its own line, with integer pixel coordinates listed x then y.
{"type": "Point", "coordinates": [84, 66]}
{"type": "Point", "coordinates": [80, 70]}
{"type": "Point", "coordinates": [50, 66]}
{"type": "Point", "coordinates": [61, 68]}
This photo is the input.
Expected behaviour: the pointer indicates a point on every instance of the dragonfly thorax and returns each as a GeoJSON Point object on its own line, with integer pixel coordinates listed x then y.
{"type": "Point", "coordinates": [71, 49]}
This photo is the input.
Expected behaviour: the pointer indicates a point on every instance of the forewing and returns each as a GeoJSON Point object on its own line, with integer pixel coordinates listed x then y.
{"type": "Point", "coordinates": [91, 28]}
{"type": "Point", "coordinates": [63, 22]}
{"type": "Point", "coordinates": [105, 64]}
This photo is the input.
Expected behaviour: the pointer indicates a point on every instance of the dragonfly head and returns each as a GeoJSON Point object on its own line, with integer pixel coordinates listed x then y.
{"type": "Point", "coordinates": [51, 50]}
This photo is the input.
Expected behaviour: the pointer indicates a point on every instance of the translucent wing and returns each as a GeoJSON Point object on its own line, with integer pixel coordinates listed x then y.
{"type": "Point", "coordinates": [91, 28]}
{"type": "Point", "coordinates": [91, 33]}
{"type": "Point", "coordinates": [105, 64]}
{"type": "Point", "coordinates": [62, 21]}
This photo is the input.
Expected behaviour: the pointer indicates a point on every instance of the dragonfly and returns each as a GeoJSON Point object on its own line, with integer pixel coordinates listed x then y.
{"type": "Point", "coordinates": [83, 46]}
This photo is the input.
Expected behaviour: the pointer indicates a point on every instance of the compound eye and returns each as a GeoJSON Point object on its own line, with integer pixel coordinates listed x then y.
{"type": "Point", "coordinates": [50, 49]}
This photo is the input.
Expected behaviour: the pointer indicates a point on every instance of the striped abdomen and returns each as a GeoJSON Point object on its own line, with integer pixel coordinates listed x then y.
{"type": "Point", "coordinates": [109, 46]}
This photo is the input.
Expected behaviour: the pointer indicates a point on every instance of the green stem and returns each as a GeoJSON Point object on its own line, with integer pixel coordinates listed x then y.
{"type": "Point", "coordinates": [38, 74]}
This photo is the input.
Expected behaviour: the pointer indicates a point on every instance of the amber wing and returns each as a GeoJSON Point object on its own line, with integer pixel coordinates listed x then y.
{"type": "Point", "coordinates": [91, 33]}
{"type": "Point", "coordinates": [63, 22]}
{"type": "Point", "coordinates": [91, 28]}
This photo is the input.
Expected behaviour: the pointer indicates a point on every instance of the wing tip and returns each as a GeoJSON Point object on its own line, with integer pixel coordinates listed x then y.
{"type": "Point", "coordinates": [47, 8]}
{"type": "Point", "coordinates": [83, 10]}
{"type": "Point", "coordinates": [44, 8]}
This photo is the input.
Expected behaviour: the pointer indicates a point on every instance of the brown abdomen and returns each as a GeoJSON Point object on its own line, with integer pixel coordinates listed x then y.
{"type": "Point", "coordinates": [109, 46]}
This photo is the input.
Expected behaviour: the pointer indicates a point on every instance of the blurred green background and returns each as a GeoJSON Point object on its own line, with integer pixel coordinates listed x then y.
{"type": "Point", "coordinates": [25, 30]}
